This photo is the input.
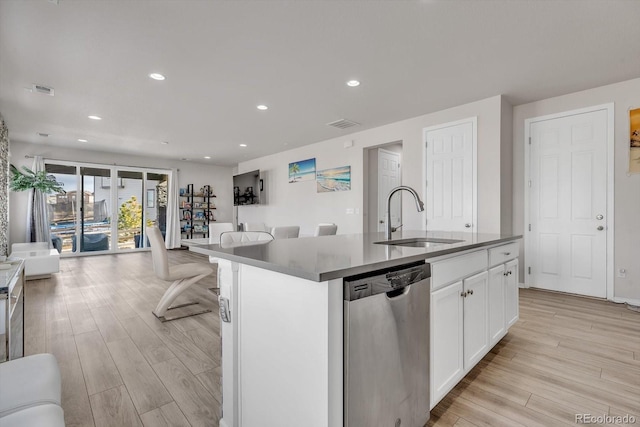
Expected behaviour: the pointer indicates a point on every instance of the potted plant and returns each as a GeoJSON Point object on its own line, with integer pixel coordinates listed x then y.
{"type": "Point", "coordinates": [26, 179]}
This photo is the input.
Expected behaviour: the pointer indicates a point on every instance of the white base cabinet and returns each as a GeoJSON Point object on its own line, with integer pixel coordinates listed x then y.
{"type": "Point", "coordinates": [512, 310]}
{"type": "Point", "coordinates": [475, 319]}
{"type": "Point", "coordinates": [447, 363]}
{"type": "Point", "coordinates": [497, 308]}
{"type": "Point", "coordinates": [474, 300]}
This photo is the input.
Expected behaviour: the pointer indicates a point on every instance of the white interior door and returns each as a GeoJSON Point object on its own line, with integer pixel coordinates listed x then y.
{"type": "Point", "coordinates": [451, 176]}
{"type": "Point", "coordinates": [388, 178]}
{"type": "Point", "coordinates": [568, 203]}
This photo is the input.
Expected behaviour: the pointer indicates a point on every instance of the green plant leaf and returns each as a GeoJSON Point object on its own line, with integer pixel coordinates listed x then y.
{"type": "Point", "coordinates": [28, 179]}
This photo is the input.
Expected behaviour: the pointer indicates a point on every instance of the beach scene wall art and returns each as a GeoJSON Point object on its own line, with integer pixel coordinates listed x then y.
{"type": "Point", "coordinates": [634, 141]}
{"type": "Point", "coordinates": [335, 179]}
{"type": "Point", "coordinates": [304, 170]}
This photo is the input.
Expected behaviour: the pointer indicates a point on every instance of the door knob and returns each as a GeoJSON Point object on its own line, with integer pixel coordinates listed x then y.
{"type": "Point", "coordinates": [600, 228]}
{"type": "Point", "coordinates": [467, 225]}
{"type": "Point", "coordinates": [470, 291]}
{"type": "Point", "coordinates": [463, 294]}
{"type": "Point", "coordinates": [600, 217]}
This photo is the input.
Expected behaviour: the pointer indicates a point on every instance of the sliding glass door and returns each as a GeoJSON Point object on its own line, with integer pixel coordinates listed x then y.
{"type": "Point", "coordinates": [95, 221]}
{"type": "Point", "coordinates": [83, 219]}
{"type": "Point", "coordinates": [62, 207]}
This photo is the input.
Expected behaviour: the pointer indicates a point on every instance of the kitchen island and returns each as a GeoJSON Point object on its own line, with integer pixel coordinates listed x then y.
{"type": "Point", "coordinates": [282, 350]}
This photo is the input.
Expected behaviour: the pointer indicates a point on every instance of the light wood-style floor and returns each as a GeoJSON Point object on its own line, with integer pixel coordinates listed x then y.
{"type": "Point", "coordinates": [120, 365]}
{"type": "Point", "coordinates": [123, 367]}
{"type": "Point", "coordinates": [566, 355]}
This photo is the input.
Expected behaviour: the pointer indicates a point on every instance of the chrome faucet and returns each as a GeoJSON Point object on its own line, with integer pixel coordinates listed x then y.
{"type": "Point", "coordinates": [419, 205]}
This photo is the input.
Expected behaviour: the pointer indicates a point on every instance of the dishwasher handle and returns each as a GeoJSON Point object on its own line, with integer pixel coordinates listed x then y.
{"type": "Point", "coordinates": [396, 293]}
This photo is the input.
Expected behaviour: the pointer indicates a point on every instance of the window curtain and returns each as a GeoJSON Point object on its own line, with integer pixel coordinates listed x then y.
{"type": "Point", "coordinates": [172, 238]}
{"type": "Point", "coordinates": [37, 215]}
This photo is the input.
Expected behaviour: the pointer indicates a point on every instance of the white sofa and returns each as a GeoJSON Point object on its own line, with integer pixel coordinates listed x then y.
{"type": "Point", "coordinates": [30, 392]}
{"type": "Point", "coordinates": [39, 259]}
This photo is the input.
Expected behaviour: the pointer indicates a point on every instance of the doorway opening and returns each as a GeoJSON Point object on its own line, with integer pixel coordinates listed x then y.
{"type": "Point", "coordinates": [383, 172]}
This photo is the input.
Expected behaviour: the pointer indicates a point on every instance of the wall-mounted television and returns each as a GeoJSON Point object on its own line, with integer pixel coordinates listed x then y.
{"type": "Point", "coordinates": [248, 189]}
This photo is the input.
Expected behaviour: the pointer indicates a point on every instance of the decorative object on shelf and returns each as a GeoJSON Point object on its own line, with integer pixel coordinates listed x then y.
{"type": "Point", "coordinates": [304, 170]}
{"type": "Point", "coordinates": [183, 192]}
{"type": "Point", "coordinates": [634, 140]}
{"type": "Point", "coordinates": [335, 179]}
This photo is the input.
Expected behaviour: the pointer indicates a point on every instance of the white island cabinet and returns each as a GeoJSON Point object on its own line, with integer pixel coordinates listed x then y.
{"type": "Point", "coordinates": [283, 329]}
{"type": "Point", "coordinates": [474, 300]}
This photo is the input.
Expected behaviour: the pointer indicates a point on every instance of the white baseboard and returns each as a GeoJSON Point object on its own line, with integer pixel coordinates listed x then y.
{"type": "Point", "coordinates": [223, 423]}
{"type": "Point", "coordinates": [522, 286]}
{"type": "Point", "coordinates": [630, 301]}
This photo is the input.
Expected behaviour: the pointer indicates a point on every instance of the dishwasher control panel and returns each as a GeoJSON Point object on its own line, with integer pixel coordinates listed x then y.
{"type": "Point", "coordinates": [387, 280]}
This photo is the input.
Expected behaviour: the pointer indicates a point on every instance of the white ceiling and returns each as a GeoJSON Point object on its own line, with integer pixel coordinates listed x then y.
{"type": "Point", "coordinates": [222, 58]}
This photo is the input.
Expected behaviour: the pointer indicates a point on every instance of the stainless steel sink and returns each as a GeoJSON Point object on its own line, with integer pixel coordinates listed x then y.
{"type": "Point", "coordinates": [419, 242]}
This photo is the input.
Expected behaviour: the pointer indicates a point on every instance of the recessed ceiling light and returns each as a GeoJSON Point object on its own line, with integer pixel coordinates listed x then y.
{"type": "Point", "coordinates": [42, 134]}
{"type": "Point", "coordinates": [262, 107]}
{"type": "Point", "coordinates": [82, 140]}
{"type": "Point", "coordinates": [243, 145]}
{"type": "Point", "coordinates": [165, 143]}
{"type": "Point", "coordinates": [95, 117]}
{"type": "Point", "coordinates": [207, 157]}
{"type": "Point", "coordinates": [353, 83]}
{"type": "Point", "coordinates": [156, 76]}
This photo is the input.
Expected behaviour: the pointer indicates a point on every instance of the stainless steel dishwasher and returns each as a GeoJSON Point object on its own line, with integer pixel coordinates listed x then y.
{"type": "Point", "coordinates": [386, 347]}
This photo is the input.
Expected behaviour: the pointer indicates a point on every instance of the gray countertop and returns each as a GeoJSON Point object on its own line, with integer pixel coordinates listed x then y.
{"type": "Point", "coordinates": [332, 257]}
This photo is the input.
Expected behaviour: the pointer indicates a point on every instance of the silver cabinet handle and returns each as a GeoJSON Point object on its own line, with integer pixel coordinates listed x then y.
{"type": "Point", "coordinates": [600, 228]}
{"type": "Point", "coordinates": [463, 294]}
{"type": "Point", "coordinates": [470, 291]}
{"type": "Point", "coordinates": [599, 217]}
{"type": "Point", "coordinates": [467, 225]}
{"type": "Point", "coordinates": [506, 253]}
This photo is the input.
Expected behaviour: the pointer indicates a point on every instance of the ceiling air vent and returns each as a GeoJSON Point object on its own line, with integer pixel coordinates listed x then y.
{"type": "Point", "coordinates": [342, 124]}
{"type": "Point", "coordinates": [45, 90]}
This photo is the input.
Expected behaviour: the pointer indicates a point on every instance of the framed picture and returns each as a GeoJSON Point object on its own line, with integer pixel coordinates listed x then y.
{"type": "Point", "coordinates": [634, 140]}
{"type": "Point", "coordinates": [335, 179]}
{"type": "Point", "coordinates": [304, 170]}
{"type": "Point", "coordinates": [151, 198]}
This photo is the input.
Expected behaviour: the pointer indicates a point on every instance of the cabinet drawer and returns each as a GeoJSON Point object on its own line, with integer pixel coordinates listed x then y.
{"type": "Point", "coordinates": [457, 267]}
{"type": "Point", "coordinates": [503, 253]}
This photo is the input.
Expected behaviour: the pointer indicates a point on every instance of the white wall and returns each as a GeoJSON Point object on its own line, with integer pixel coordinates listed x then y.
{"type": "Point", "coordinates": [627, 188]}
{"type": "Point", "coordinates": [219, 177]}
{"type": "Point", "coordinates": [300, 204]}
